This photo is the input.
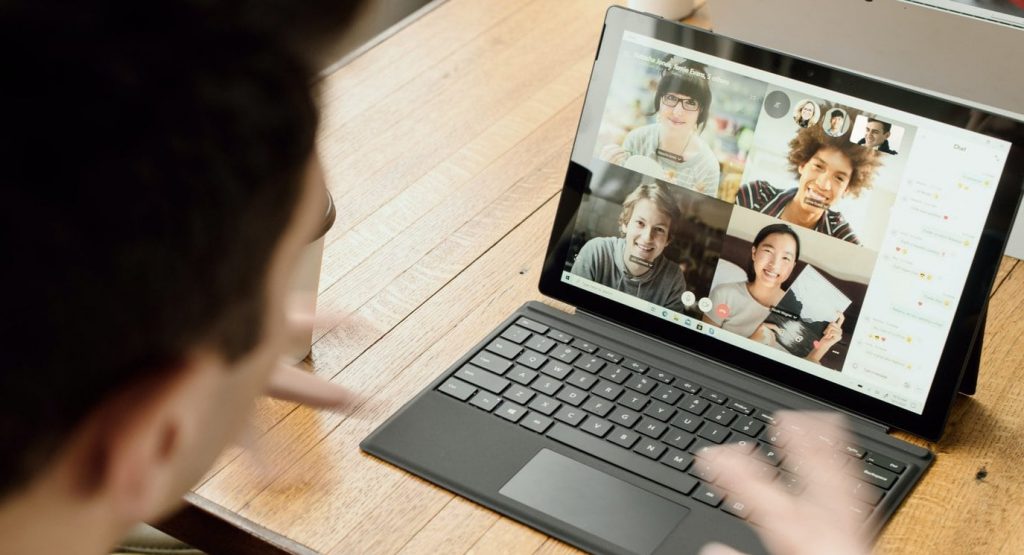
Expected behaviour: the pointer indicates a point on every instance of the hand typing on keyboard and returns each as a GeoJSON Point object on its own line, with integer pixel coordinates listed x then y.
{"type": "Point", "coordinates": [818, 519]}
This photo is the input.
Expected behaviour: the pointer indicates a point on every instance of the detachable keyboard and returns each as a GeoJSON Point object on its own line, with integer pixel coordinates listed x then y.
{"type": "Point", "coordinates": [643, 419]}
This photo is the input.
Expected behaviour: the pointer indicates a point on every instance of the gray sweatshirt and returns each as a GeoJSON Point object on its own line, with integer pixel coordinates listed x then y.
{"type": "Point", "coordinates": [601, 260]}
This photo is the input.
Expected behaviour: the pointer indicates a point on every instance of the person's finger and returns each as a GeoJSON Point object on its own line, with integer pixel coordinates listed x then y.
{"type": "Point", "coordinates": [716, 548]}
{"type": "Point", "coordinates": [742, 476]}
{"type": "Point", "coordinates": [292, 384]}
{"type": "Point", "coordinates": [841, 319]}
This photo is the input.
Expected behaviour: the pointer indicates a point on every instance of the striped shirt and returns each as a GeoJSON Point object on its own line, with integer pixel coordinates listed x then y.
{"type": "Point", "coordinates": [762, 197]}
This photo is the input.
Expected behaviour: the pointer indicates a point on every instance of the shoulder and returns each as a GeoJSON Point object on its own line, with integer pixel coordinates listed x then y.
{"type": "Point", "coordinates": [641, 135]}
{"type": "Point", "coordinates": [598, 245]}
{"type": "Point", "coordinates": [840, 228]}
{"type": "Point", "coordinates": [729, 291]}
{"type": "Point", "coordinates": [754, 194]}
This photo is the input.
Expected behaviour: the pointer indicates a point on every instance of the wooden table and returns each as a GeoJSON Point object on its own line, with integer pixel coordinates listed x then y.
{"type": "Point", "coordinates": [445, 148]}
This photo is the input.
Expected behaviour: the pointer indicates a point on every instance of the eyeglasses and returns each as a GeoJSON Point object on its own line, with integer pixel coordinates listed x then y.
{"type": "Point", "coordinates": [689, 104]}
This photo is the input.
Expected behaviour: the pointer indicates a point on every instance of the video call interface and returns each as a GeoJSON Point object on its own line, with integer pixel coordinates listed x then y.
{"type": "Point", "coordinates": [827, 233]}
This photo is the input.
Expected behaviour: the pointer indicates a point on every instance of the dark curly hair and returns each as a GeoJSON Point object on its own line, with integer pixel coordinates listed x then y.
{"type": "Point", "coordinates": [811, 139]}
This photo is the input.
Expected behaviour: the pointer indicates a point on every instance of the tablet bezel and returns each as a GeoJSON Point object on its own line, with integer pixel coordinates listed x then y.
{"type": "Point", "coordinates": [931, 422]}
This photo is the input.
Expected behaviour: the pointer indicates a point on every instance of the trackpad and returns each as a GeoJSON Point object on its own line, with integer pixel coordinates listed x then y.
{"type": "Point", "coordinates": [621, 513]}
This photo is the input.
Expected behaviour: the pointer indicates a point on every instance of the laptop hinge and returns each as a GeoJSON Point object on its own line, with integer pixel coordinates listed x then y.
{"type": "Point", "coordinates": [857, 420]}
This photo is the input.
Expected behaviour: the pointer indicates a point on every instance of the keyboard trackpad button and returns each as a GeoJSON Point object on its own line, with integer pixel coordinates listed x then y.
{"type": "Point", "coordinates": [610, 508]}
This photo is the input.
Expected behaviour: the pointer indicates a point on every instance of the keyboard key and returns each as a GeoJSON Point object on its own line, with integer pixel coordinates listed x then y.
{"type": "Point", "coordinates": [547, 385]}
{"type": "Point", "coordinates": [660, 410]}
{"type": "Point", "coordinates": [867, 493]}
{"type": "Point", "coordinates": [485, 400]}
{"type": "Point", "coordinates": [713, 432]}
{"type": "Point", "coordinates": [504, 348]}
{"type": "Point", "coordinates": [590, 364]}
{"type": "Point", "coordinates": [596, 426]}
{"type": "Point", "coordinates": [775, 436]}
{"type": "Point", "coordinates": [584, 346]}
{"type": "Point", "coordinates": [544, 404]}
{"type": "Point", "coordinates": [885, 462]}
{"type": "Point", "coordinates": [860, 510]}
{"type": "Point", "coordinates": [694, 404]}
{"type": "Point", "coordinates": [623, 437]}
{"type": "Point", "coordinates": [677, 438]}
{"type": "Point", "coordinates": [536, 422]}
{"type": "Point", "coordinates": [687, 421]}
{"type": "Point", "coordinates": [572, 395]}
{"type": "Point", "coordinates": [701, 448]}
{"type": "Point", "coordinates": [633, 400]}
{"type": "Point", "coordinates": [482, 379]}
{"type": "Point", "coordinates": [742, 444]}
{"type": "Point", "coordinates": [651, 428]}
{"type": "Point", "coordinates": [521, 375]}
{"type": "Point", "coordinates": [611, 453]}
{"type": "Point", "coordinates": [515, 334]}
{"type": "Point", "coordinates": [559, 336]}
{"type": "Point", "coordinates": [768, 454]}
{"type": "Point", "coordinates": [534, 326]}
{"type": "Point", "coordinates": [713, 396]}
{"type": "Point", "coordinates": [511, 411]}
{"type": "Point", "coordinates": [679, 460]}
{"type": "Point", "coordinates": [667, 393]}
{"type": "Point", "coordinates": [519, 394]}
{"type": "Point", "coordinates": [708, 495]}
{"type": "Point", "coordinates": [624, 417]}
{"type": "Point", "coordinates": [609, 356]}
{"type": "Point", "coordinates": [721, 415]}
{"type": "Point", "coordinates": [616, 374]}
{"type": "Point", "coordinates": [765, 416]}
{"type": "Point", "coordinates": [491, 363]}
{"type": "Point", "coordinates": [457, 388]}
{"type": "Point", "coordinates": [688, 386]}
{"type": "Point", "coordinates": [748, 426]}
{"type": "Point", "coordinates": [565, 354]}
{"type": "Point", "coordinates": [598, 406]}
{"type": "Point", "coordinates": [556, 369]}
{"type": "Point", "coordinates": [874, 475]}
{"type": "Point", "coordinates": [661, 376]}
{"type": "Point", "coordinates": [532, 359]}
{"type": "Point", "coordinates": [570, 415]}
{"type": "Point", "coordinates": [649, 448]}
{"type": "Point", "coordinates": [792, 483]}
{"type": "Point", "coordinates": [853, 450]}
{"type": "Point", "coordinates": [741, 407]}
{"type": "Point", "coordinates": [608, 390]}
{"type": "Point", "coordinates": [540, 344]}
{"type": "Point", "coordinates": [634, 365]}
{"type": "Point", "coordinates": [736, 507]}
{"type": "Point", "coordinates": [703, 470]}
{"type": "Point", "coordinates": [641, 383]}
{"type": "Point", "coordinates": [581, 379]}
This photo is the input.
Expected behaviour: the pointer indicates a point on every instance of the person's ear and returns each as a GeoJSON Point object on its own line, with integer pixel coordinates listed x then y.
{"type": "Point", "coordinates": [135, 442]}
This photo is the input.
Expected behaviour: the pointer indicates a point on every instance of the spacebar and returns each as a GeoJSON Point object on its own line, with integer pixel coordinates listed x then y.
{"type": "Point", "coordinates": [622, 458]}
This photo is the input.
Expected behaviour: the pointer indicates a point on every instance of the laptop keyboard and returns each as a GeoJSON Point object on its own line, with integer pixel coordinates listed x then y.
{"type": "Point", "coordinates": [642, 419]}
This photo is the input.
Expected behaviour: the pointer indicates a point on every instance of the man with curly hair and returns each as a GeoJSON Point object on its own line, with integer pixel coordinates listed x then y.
{"type": "Point", "coordinates": [827, 169]}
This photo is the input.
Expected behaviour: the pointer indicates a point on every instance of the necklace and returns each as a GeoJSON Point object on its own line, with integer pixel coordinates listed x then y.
{"type": "Point", "coordinates": [677, 158]}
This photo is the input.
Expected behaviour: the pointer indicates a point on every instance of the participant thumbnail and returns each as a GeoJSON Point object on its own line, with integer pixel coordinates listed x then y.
{"type": "Point", "coordinates": [678, 120]}
{"type": "Point", "coordinates": [650, 239]}
{"type": "Point", "coordinates": [877, 134]}
{"type": "Point", "coordinates": [810, 179]}
{"type": "Point", "coordinates": [836, 122]}
{"type": "Point", "coordinates": [789, 287]}
{"type": "Point", "coordinates": [807, 113]}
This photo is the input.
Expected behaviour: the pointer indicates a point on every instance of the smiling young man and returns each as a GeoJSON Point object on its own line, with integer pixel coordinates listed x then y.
{"type": "Point", "coordinates": [876, 136]}
{"type": "Point", "coordinates": [161, 180]}
{"type": "Point", "coordinates": [633, 263]}
{"type": "Point", "coordinates": [827, 169]}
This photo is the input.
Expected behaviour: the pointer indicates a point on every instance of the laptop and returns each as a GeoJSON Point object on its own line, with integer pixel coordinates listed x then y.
{"type": "Point", "coordinates": [740, 232]}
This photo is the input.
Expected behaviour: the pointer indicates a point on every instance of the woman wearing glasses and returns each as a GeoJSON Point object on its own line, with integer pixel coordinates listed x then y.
{"type": "Point", "coordinates": [673, 141]}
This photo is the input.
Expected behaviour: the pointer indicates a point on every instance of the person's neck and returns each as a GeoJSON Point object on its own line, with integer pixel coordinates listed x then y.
{"type": "Point", "coordinates": [767, 296]}
{"type": "Point", "coordinates": [796, 214]}
{"type": "Point", "coordinates": [42, 519]}
{"type": "Point", "coordinates": [674, 141]}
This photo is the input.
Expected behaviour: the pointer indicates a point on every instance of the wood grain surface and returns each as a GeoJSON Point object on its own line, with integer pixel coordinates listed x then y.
{"type": "Point", "coordinates": [445, 148]}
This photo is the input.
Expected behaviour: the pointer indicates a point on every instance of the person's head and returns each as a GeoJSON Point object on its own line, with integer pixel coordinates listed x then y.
{"type": "Point", "coordinates": [773, 255]}
{"type": "Point", "coordinates": [876, 132]}
{"type": "Point", "coordinates": [835, 121]}
{"type": "Point", "coordinates": [829, 168]}
{"type": "Point", "coordinates": [649, 218]}
{"type": "Point", "coordinates": [683, 97]}
{"type": "Point", "coordinates": [806, 111]}
{"type": "Point", "coordinates": [159, 157]}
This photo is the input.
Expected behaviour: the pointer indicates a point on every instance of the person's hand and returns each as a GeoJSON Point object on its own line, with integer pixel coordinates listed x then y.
{"type": "Point", "coordinates": [614, 154]}
{"type": "Point", "coordinates": [833, 334]}
{"type": "Point", "coordinates": [766, 333]}
{"type": "Point", "coordinates": [816, 521]}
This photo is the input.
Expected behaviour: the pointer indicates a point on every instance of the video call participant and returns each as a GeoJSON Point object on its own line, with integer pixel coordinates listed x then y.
{"type": "Point", "coordinates": [876, 136]}
{"type": "Point", "coordinates": [633, 263]}
{"type": "Point", "coordinates": [806, 113]}
{"type": "Point", "coordinates": [743, 307]}
{"type": "Point", "coordinates": [681, 108]}
{"type": "Point", "coordinates": [827, 169]}
{"type": "Point", "coordinates": [835, 123]}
